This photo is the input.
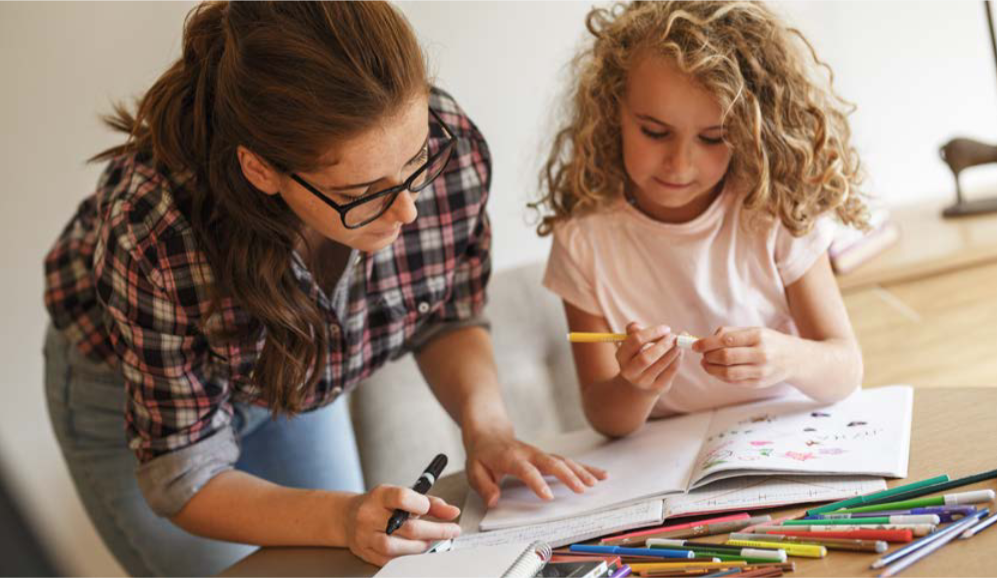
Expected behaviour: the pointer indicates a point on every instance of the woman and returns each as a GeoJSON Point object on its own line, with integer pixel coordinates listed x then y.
{"type": "Point", "coordinates": [251, 253]}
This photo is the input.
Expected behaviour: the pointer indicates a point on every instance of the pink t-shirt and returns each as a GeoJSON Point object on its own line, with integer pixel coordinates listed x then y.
{"type": "Point", "coordinates": [716, 270]}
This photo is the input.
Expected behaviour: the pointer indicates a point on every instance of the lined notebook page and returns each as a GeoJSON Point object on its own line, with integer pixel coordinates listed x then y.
{"type": "Point", "coordinates": [570, 531]}
{"type": "Point", "coordinates": [516, 560]}
{"type": "Point", "coordinates": [768, 491]}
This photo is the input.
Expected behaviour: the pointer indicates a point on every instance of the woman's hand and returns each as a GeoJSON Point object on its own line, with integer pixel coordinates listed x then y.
{"type": "Point", "coordinates": [753, 357]}
{"type": "Point", "coordinates": [368, 517]}
{"type": "Point", "coordinates": [492, 454]}
{"type": "Point", "coordinates": [649, 358]}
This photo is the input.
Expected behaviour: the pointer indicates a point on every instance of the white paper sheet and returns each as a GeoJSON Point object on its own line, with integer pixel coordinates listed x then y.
{"type": "Point", "coordinates": [655, 460]}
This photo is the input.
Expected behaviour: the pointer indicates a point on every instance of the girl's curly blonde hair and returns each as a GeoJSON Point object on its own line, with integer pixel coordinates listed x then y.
{"type": "Point", "coordinates": [789, 133]}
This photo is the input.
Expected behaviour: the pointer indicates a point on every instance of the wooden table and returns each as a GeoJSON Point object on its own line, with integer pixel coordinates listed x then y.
{"type": "Point", "coordinates": [954, 432]}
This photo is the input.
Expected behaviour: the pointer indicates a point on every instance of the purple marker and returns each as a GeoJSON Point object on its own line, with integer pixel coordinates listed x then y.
{"type": "Point", "coordinates": [945, 513]}
{"type": "Point", "coordinates": [622, 572]}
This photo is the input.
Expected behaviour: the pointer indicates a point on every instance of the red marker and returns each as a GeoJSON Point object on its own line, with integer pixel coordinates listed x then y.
{"type": "Point", "coordinates": [886, 535]}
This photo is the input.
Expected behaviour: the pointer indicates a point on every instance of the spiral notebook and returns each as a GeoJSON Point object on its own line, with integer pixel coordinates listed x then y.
{"type": "Point", "coordinates": [513, 560]}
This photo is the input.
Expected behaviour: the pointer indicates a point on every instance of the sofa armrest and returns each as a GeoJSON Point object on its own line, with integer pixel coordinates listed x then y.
{"type": "Point", "coordinates": [399, 423]}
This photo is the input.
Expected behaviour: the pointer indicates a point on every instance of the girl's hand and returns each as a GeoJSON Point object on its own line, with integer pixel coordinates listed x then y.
{"type": "Point", "coordinates": [493, 454]}
{"type": "Point", "coordinates": [368, 518]}
{"type": "Point", "coordinates": [648, 358]}
{"type": "Point", "coordinates": [754, 357]}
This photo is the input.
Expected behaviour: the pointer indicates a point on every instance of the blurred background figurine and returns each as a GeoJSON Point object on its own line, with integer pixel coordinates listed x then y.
{"type": "Point", "coordinates": [962, 153]}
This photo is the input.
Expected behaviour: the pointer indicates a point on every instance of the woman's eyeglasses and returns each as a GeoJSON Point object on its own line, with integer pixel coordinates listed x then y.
{"type": "Point", "coordinates": [368, 208]}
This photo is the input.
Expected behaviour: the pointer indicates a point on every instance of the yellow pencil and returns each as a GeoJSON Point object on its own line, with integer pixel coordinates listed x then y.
{"type": "Point", "coordinates": [684, 340]}
{"type": "Point", "coordinates": [803, 550]}
{"type": "Point", "coordinates": [595, 337]}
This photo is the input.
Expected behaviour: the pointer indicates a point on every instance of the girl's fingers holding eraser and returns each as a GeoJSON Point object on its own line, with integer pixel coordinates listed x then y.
{"type": "Point", "coordinates": [686, 341]}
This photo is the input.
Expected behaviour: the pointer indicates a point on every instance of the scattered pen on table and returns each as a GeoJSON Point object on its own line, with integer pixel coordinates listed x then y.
{"type": "Point", "coordinates": [920, 543]}
{"type": "Point", "coordinates": [931, 489]}
{"type": "Point", "coordinates": [639, 536]}
{"type": "Point", "coordinates": [804, 550]}
{"type": "Point", "coordinates": [884, 535]}
{"type": "Point", "coordinates": [855, 545]}
{"type": "Point", "coordinates": [915, 529]}
{"type": "Point", "coordinates": [983, 524]}
{"type": "Point", "coordinates": [920, 553]}
{"type": "Point", "coordinates": [957, 499]}
{"type": "Point", "coordinates": [700, 529]}
{"type": "Point", "coordinates": [621, 550]}
{"type": "Point", "coordinates": [857, 500]}
{"type": "Point", "coordinates": [775, 554]}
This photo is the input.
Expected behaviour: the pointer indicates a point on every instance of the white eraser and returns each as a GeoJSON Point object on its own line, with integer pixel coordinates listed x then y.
{"type": "Point", "coordinates": [686, 341]}
{"type": "Point", "coordinates": [774, 555]}
{"type": "Point", "coordinates": [913, 519]}
{"type": "Point", "coordinates": [664, 542]}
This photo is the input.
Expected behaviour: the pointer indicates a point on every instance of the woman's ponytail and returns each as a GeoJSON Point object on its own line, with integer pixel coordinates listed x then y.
{"type": "Point", "coordinates": [173, 118]}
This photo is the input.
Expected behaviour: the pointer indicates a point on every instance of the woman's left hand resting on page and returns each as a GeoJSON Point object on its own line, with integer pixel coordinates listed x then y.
{"type": "Point", "coordinates": [492, 455]}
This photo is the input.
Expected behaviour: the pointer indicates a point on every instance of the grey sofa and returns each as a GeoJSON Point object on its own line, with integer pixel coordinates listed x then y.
{"type": "Point", "coordinates": [399, 424]}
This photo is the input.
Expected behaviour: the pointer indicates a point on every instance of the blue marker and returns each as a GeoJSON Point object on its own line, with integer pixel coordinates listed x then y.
{"type": "Point", "coordinates": [624, 551]}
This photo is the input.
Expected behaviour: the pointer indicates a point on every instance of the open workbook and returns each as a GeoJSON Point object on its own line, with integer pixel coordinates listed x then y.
{"type": "Point", "coordinates": [867, 434]}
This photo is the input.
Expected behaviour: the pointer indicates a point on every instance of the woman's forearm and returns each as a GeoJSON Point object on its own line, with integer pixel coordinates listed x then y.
{"type": "Point", "coordinates": [239, 507]}
{"type": "Point", "coordinates": [460, 369]}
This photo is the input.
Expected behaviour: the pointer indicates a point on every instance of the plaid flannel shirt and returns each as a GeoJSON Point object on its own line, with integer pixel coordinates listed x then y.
{"type": "Point", "coordinates": [127, 283]}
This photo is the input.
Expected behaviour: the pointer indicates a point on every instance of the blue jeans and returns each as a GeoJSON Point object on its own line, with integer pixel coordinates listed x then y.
{"type": "Point", "coordinates": [86, 403]}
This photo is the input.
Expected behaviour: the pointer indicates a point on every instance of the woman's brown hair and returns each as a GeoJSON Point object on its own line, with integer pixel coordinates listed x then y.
{"type": "Point", "coordinates": [285, 80]}
{"type": "Point", "coordinates": [789, 131]}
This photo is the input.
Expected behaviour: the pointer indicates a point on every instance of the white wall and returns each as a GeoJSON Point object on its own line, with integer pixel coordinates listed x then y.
{"type": "Point", "coordinates": [61, 65]}
{"type": "Point", "coordinates": [920, 72]}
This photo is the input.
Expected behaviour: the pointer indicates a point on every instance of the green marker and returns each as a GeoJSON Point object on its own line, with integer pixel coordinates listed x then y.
{"type": "Point", "coordinates": [961, 498]}
{"type": "Point", "coordinates": [723, 552]}
{"type": "Point", "coordinates": [857, 500]}
{"type": "Point", "coordinates": [899, 519]}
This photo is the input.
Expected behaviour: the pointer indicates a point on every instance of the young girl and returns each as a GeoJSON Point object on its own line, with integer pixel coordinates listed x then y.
{"type": "Point", "coordinates": [252, 252]}
{"type": "Point", "coordinates": [691, 191]}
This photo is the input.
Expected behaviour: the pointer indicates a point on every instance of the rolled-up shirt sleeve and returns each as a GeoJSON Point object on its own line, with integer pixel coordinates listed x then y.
{"type": "Point", "coordinates": [178, 420]}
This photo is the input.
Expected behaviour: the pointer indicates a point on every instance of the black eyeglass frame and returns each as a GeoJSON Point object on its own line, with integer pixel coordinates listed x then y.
{"type": "Point", "coordinates": [447, 150]}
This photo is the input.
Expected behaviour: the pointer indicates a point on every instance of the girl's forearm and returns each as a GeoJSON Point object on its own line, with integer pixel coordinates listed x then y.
{"type": "Point", "coordinates": [827, 370]}
{"type": "Point", "coordinates": [616, 407]}
{"type": "Point", "coordinates": [239, 507]}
